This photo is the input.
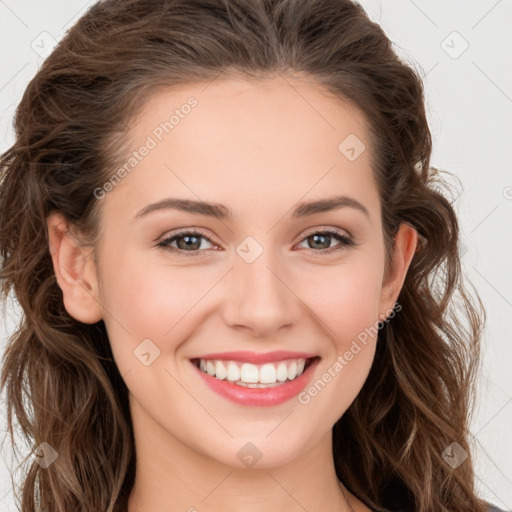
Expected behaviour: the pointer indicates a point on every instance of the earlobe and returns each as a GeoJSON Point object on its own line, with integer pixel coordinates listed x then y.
{"type": "Point", "coordinates": [406, 241]}
{"type": "Point", "coordinates": [75, 271]}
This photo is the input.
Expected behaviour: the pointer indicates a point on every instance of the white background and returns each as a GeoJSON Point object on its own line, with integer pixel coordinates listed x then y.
{"type": "Point", "coordinates": [469, 102]}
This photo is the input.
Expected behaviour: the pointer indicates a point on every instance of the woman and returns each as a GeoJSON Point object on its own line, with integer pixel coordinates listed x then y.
{"type": "Point", "coordinates": [238, 280]}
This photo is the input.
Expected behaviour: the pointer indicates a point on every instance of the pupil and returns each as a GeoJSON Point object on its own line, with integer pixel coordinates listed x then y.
{"type": "Point", "coordinates": [325, 237]}
{"type": "Point", "coordinates": [187, 243]}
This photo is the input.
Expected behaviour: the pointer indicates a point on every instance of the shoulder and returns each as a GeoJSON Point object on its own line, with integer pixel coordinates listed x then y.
{"type": "Point", "coordinates": [492, 508]}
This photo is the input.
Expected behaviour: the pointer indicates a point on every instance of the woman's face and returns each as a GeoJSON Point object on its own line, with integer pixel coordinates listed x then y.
{"type": "Point", "coordinates": [251, 277]}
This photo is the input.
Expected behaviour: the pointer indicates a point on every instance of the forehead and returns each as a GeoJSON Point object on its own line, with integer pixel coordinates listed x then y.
{"type": "Point", "coordinates": [237, 107]}
{"type": "Point", "coordinates": [281, 138]}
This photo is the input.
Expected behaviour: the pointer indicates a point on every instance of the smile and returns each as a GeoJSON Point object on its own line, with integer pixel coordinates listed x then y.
{"type": "Point", "coordinates": [252, 375]}
{"type": "Point", "coordinates": [252, 384]}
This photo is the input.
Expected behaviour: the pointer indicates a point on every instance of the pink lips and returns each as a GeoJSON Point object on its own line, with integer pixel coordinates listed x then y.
{"type": "Point", "coordinates": [258, 396]}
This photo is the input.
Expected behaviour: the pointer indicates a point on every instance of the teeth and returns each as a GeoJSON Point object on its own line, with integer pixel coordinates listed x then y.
{"type": "Point", "coordinates": [258, 385]}
{"type": "Point", "coordinates": [251, 375]}
{"type": "Point", "coordinates": [221, 371]}
{"type": "Point", "coordinates": [233, 371]}
{"type": "Point", "coordinates": [268, 374]}
{"type": "Point", "coordinates": [210, 368]}
{"type": "Point", "coordinates": [292, 371]}
{"type": "Point", "coordinates": [282, 372]}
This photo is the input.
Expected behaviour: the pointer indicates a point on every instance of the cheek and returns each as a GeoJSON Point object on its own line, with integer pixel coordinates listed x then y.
{"type": "Point", "coordinates": [145, 294]}
{"type": "Point", "coordinates": [345, 298]}
{"type": "Point", "coordinates": [152, 301]}
{"type": "Point", "coordinates": [347, 303]}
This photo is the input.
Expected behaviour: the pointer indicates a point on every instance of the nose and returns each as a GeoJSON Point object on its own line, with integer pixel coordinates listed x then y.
{"type": "Point", "coordinates": [259, 298]}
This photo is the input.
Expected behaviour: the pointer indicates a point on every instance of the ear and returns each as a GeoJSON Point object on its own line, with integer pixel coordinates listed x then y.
{"type": "Point", "coordinates": [75, 271]}
{"type": "Point", "coordinates": [406, 241]}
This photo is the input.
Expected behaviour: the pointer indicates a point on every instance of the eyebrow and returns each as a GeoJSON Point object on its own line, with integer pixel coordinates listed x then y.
{"type": "Point", "coordinates": [220, 211]}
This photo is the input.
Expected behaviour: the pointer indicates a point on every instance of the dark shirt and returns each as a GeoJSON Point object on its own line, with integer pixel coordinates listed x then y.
{"type": "Point", "coordinates": [492, 508]}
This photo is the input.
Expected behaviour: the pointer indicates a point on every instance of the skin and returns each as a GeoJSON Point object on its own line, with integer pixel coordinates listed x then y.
{"type": "Point", "coordinates": [258, 148]}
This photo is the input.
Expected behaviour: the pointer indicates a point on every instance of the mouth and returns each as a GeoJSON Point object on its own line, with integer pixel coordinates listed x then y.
{"type": "Point", "coordinates": [250, 375]}
{"type": "Point", "coordinates": [255, 379]}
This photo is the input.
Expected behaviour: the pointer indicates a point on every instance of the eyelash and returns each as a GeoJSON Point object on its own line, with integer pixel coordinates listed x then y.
{"type": "Point", "coordinates": [344, 240]}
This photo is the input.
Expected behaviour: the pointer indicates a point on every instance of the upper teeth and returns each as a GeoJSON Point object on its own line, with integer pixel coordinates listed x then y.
{"type": "Point", "coordinates": [267, 373]}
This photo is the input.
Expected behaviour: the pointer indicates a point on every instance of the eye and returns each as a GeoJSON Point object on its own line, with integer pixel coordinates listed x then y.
{"type": "Point", "coordinates": [322, 240]}
{"type": "Point", "coordinates": [186, 241]}
{"type": "Point", "coordinates": [189, 243]}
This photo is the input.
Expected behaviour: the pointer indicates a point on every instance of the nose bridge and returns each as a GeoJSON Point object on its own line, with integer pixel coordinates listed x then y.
{"type": "Point", "coordinates": [259, 297]}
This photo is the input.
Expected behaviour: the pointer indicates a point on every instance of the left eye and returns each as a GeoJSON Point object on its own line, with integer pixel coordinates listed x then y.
{"type": "Point", "coordinates": [325, 237]}
{"type": "Point", "coordinates": [190, 242]}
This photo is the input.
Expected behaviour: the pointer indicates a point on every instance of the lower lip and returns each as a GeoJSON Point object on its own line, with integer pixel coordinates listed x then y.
{"type": "Point", "coordinates": [259, 396]}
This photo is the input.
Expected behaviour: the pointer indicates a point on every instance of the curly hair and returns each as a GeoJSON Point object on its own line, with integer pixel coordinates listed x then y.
{"type": "Point", "coordinates": [63, 386]}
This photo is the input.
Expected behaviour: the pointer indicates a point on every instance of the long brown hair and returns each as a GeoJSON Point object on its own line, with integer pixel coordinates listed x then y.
{"type": "Point", "coordinates": [62, 384]}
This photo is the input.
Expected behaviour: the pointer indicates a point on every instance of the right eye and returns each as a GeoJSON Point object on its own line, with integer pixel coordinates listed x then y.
{"type": "Point", "coordinates": [186, 242]}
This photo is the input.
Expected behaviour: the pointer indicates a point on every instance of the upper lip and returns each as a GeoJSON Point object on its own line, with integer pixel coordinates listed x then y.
{"type": "Point", "coordinates": [245, 356]}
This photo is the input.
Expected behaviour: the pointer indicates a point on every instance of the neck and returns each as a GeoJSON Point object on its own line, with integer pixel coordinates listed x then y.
{"type": "Point", "coordinates": [172, 476]}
